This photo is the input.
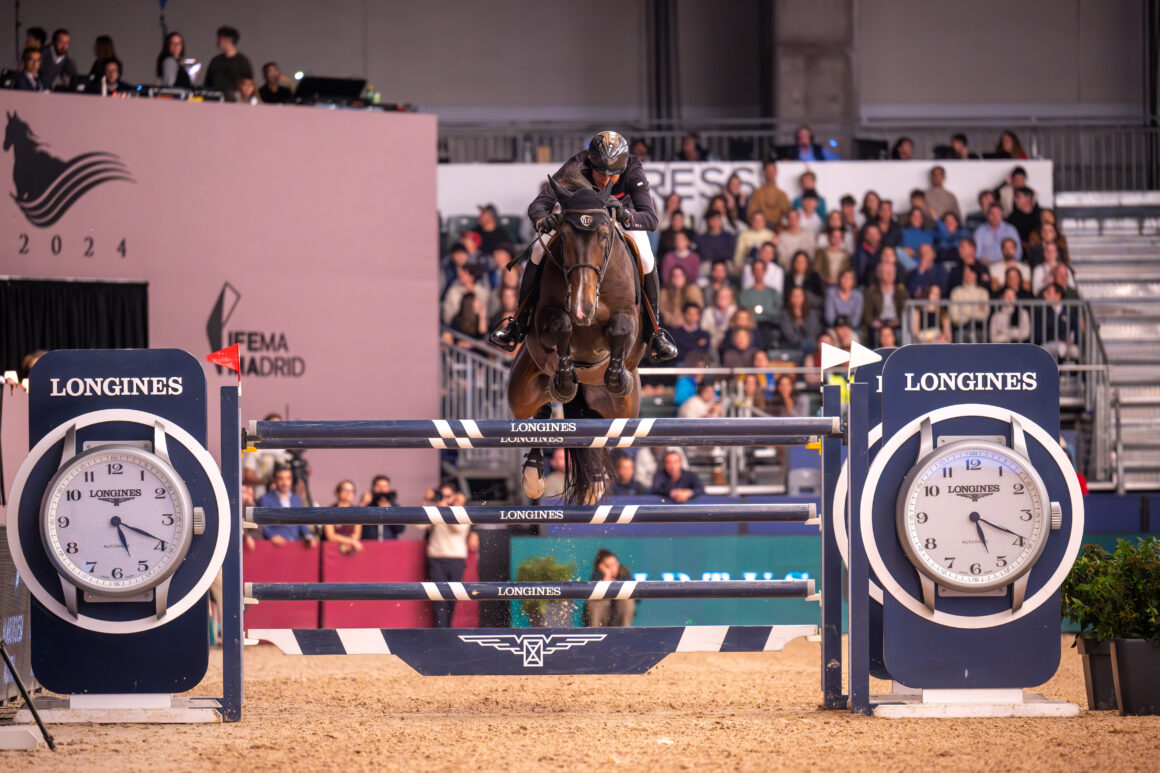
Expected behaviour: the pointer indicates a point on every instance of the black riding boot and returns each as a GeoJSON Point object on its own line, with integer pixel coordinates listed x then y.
{"type": "Point", "coordinates": [660, 345]}
{"type": "Point", "coordinates": [511, 331]}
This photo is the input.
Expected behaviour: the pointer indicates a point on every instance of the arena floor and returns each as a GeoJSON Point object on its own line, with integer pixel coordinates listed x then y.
{"type": "Point", "coordinates": [740, 711]}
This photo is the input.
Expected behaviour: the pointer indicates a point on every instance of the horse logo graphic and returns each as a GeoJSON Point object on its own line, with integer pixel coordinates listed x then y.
{"type": "Point", "coordinates": [533, 647]}
{"type": "Point", "coordinates": [46, 186]}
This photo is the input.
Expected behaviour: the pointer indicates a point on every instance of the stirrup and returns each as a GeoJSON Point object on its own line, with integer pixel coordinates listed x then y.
{"type": "Point", "coordinates": [507, 335]}
{"type": "Point", "coordinates": [661, 346]}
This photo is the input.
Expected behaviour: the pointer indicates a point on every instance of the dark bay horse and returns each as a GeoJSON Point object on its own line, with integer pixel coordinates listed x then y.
{"type": "Point", "coordinates": [585, 341]}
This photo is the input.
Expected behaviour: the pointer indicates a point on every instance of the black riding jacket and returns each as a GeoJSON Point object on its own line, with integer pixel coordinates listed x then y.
{"type": "Point", "coordinates": [631, 189]}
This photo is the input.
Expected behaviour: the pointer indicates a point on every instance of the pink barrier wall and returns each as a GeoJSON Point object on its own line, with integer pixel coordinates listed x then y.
{"type": "Point", "coordinates": [292, 562]}
{"type": "Point", "coordinates": [304, 234]}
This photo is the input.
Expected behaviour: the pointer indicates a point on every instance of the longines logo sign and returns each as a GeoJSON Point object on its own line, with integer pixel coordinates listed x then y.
{"type": "Point", "coordinates": [48, 186]}
{"type": "Point", "coordinates": [116, 386]}
{"type": "Point", "coordinates": [263, 352]}
{"type": "Point", "coordinates": [972, 382]}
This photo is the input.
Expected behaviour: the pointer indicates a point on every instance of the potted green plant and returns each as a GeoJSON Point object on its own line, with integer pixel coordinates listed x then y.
{"type": "Point", "coordinates": [1084, 604]}
{"type": "Point", "coordinates": [1115, 598]}
{"type": "Point", "coordinates": [541, 612]}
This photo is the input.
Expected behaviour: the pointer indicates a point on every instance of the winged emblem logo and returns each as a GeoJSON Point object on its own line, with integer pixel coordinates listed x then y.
{"type": "Point", "coordinates": [116, 501]}
{"type": "Point", "coordinates": [975, 496]}
{"type": "Point", "coordinates": [533, 647]}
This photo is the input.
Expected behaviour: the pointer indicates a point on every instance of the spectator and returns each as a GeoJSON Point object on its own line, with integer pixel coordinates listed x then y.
{"type": "Point", "coordinates": [677, 225]}
{"type": "Point", "coordinates": [1013, 280]}
{"type": "Point", "coordinates": [989, 237]}
{"type": "Point", "coordinates": [752, 395]}
{"type": "Point", "coordinates": [509, 298]}
{"type": "Point", "coordinates": [274, 91]}
{"type": "Point", "coordinates": [774, 274]}
{"type": "Point", "coordinates": [807, 149]}
{"type": "Point", "coordinates": [1005, 193]}
{"type": "Point", "coordinates": [466, 281]}
{"type": "Point", "coordinates": [227, 68]}
{"type": "Point", "coordinates": [57, 69]}
{"type": "Point", "coordinates": [1045, 233]}
{"type": "Point", "coordinates": [691, 150]}
{"type": "Point", "coordinates": [918, 201]}
{"type": "Point", "coordinates": [672, 204]}
{"type": "Point", "coordinates": [966, 255]}
{"type": "Point", "coordinates": [740, 348]}
{"type": "Point", "coordinates": [492, 233]}
{"type": "Point", "coordinates": [1056, 325]}
{"type": "Point", "coordinates": [809, 182]}
{"type": "Point", "coordinates": [248, 92]}
{"type": "Point", "coordinates": [903, 149]}
{"type": "Point", "coordinates": [624, 482]}
{"type": "Point", "coordinates": [884, 302]}
{"type": "Point", "coordinates": [458, 257]}
{"type": "Point", "coordinates": [916, 234]}
{"type": "Point", "coordinates": [29, 78]}
{"type": "Point", "coordinates": [833, 220]}
{"type": "Point", "coordinates": [867, 255]}
{"type": "Point", "coordinates": [676, 294]}
{"type": "Point", "coordinates": [248, 500]}
{"type": "Point", "coordinates": [926, 273]}
{"type": "Point", "coordinates": [258, 468]}
{"type": "Point", "coordinates": [891, 231]}
{"type": "Point", "coordinates": [960, 149]}
{"type": "Point", "coordinates": [887, 338]}
{"type": "Point", "coordinates": [448, 545]}
{"type": "Point", "coordinates": [833, 259]}
{"type": "Point", "coordinates": [871, 201]}
{"type": "Point", "coordinates": [471, 319]}
{"type": "Point", "coordinates": [975, 219]}
{"type": "Point", "coordinates": [736, 202]}
{"type": "Point", "coordinates": [939, 200]}
{"type": "Point", "coordinates": [282, 495]}
{"type": "Point", "coordinates": [716, 320]}
{"type": "Point", "coordinates": [970, 307]}
{"type": "Point", "coordinates": [640, 149]}
{"type": "Point", "coordinates": [688, 335]}
{"type": "Point", "coordinates": [704, 404]}
{"type": "Point", "coordinates": [685, 388]}
{"type": "Point", "coordinates": [793, 238]}
{"type": "Point", "coordinates": [110, 84]}
{"type": "Point", "coordinates": [1009, 146]}
{"type": "Point", "coordinates": [381, 494]}
{"type": "Point", "coordinates": [930, 322]}
{"type": "Point", "coordinates": [169, 70]}
{"type": "Point", "coordinates": [1061, 275]}
{"type": "Point", "coordinates": [849, 209]}
{"type": "Point", "coordinates": [769, 200]}
{"type": "Point", "coordinates": [674, 481]}
{"type": "Point", "coordinates": [495, 267]}
{"type": "Point", "coordinates": [764, 301]}
{"type": "Point", "coordinates": [36, 38]}
{"type": "Point", "coordinates": [786, 399]}
{"type": "Point", "coordinates": [748, 241]}
{"type": "Point", "coordinates": [609, 612]}
{"type": "Point", "coordinates": [348, 536]}
{"type": "Point", "coordinates": [812, 361]}
{"type": "Point", "coordinates": [556, 478]}
{"type": "Point", "coordinates": [681, 256]}
{"type": "Point", "coordinates": [1010, 261]}
{"type": "Point", "coordinates": [103, 50]}
{"type": "Point", "coordinates": [718, 278]}
{"type": "Point", "coordinates": [716, 244]}
{"type": "Point", "coordinates": [843, 333]}
{"type": "Point", "coordinates": [809, 217]}
{"type": "Point", "coordinates": [1044, 274]}
{"type": "Point", "coordinates": [1010, 323]}
{"type": "Point", "coordinates": [1025, 216]}
{"type": "Point", "coordinates": [948, 236]}
{"type": "Point", "coordinates": [798, 324]}
{"type": "Point", "coordinates": [844, 299]}
{"type": "Point", "coordinates": [801, 274]}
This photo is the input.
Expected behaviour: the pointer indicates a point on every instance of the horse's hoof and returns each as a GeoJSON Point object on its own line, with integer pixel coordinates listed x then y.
{"type": "Point", "coordinates": [564, 386]}
{"type": "Point", "coordinates": [617, 381]}
{"type": "Point", "coordinates": [534, 482]}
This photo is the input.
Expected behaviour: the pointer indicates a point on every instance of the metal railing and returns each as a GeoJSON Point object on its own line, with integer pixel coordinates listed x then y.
{"type": "Point", "coordinates": [1089, 154]}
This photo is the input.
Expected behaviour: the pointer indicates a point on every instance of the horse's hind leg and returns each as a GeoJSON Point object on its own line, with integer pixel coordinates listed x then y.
{"type": "Point", "coordinates": [617, 379]}
{"type": "Point", "coordinates": [565, 381]}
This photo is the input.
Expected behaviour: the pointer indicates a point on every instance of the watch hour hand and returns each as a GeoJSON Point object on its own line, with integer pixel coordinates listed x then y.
{"type": "Point", "coordinates": [982, 537]}
{"type": "Point", "coordinates": [124, 542]}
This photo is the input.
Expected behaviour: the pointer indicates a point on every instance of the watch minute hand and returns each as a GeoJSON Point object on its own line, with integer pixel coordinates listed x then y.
{"type": "Point", "coordinates": [141, 531]}
{"type": "Point", "coordinates": [1000, 528]}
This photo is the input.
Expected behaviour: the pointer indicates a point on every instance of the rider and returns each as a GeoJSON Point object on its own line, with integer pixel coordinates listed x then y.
{"type": "Point", "coordinates": [607, 158]}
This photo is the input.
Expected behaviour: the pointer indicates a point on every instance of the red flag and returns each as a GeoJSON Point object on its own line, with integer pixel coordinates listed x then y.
{"type": "Point", "coordinates": [228, 358]}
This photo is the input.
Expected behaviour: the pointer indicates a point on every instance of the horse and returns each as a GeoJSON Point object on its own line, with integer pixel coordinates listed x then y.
{"type": "Point", "coordinates": [585, 341]}
{"type": "Point", "coordinates": [46, 186]}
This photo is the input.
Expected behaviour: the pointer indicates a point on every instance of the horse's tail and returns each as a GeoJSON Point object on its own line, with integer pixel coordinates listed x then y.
{"type": "Point", "coordinates": [587, 470]}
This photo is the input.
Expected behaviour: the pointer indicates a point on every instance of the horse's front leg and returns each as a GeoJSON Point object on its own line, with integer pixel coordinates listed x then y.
{"type": "Point", "coordinates": [617, 379]}
{"type": "Point", "coordinates": [558, 330]}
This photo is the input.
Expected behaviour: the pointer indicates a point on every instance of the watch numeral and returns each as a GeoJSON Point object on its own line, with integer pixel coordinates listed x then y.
{"type": "Point", "coordinates": [1027, 517]}
{"type": "Point", "coordinates": [167, 519]}
{"type": "Point", "coordinates": [142, 566]}
{"type": "Point", "coordinates": [1018, 488]}
{"type": "Point", "coordinates": [921, 517]}
{"type": "Point", "coordinates": [932, 491]}
{"type": "Point", "coordinates": [160, 545]}
{"type": "Point", "coordinates": [950, 561]}
{"type": "Point", "coordinates": [948, 472]}
{"type": "Point", "coordinates": [117, 574]}
{"type": "Point", "coordinates": [1000, 560]}
{"type": "Point", "coordinates": [159, 493]}
{"type": "Point", "coordinates": [116, 469]}
{"type": "Point", "coordinates": [92, 566]}
{"type": "Point", "coordinates": [974, 464]}
{"type": "Point", "coordinates": [71, 548]}
{"type": "Point", "coordinates": [73, 496]}
{"type": "Point", "coordinates": [62, 521]}
{"type": "Point", "coordinates": [929, 543]}
{"type": "Point", "coordinates": [90, 477]}
{"type": "Point", "coordinates": [976, 569]}
{"type": "Point", "coordinates": [1019, 541]}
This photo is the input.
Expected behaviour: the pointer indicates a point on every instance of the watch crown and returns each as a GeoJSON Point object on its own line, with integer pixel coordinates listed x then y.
{"type": "Point", "coordinates": [1056, 515]}
{"type": "Point", "coordinates": [199, 520]}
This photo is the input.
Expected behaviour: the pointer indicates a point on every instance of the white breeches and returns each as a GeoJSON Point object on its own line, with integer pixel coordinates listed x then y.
{"type": "Point", "coordinates": [639, 238]}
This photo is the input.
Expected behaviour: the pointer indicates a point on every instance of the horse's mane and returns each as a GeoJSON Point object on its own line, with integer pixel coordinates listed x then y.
{"type": "Point", "coordinates": [574, 180]}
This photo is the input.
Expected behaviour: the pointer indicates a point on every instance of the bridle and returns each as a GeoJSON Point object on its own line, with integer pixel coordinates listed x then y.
{"type": "Point", "coordinates": [600, 270]}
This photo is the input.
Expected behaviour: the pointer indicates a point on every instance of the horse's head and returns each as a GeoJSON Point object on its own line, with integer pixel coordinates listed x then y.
{"type": "Point", "coordinates": [587, 236]}
{"type": "Point", "coordinates": [17, 130]}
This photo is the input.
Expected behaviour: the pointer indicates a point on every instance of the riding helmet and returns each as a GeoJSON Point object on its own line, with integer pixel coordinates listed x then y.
{"type": "Point", "coordinates": [608, 153]}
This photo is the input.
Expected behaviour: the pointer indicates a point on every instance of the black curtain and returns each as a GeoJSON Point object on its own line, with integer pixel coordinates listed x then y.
{"type": "Point", "coordinates": [39, 314]}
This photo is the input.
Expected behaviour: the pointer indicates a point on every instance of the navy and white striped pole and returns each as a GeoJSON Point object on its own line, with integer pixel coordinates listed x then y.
{"type": "Point", "coordinates": [507, 591]}
{"type": "Point", "coordinates": [538, 441]}
{"type": "Point", "coordinates": [804, 512]}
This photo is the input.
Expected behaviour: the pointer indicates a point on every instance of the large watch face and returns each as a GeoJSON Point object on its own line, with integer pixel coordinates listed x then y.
{"type": "Point", "coordinates": [116, 520]}
{"type": "Point", "coordinates": [973, 515]}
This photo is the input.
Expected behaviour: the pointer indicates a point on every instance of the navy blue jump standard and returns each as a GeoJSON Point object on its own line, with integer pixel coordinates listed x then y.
{"type": "Point", "coordinates": [509, 591]}
{"type": "Point", "coordinates": [803, 512]}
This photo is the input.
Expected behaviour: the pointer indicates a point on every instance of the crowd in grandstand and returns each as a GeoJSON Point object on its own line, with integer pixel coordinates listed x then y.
{"type": "Point", "coordinates": [48, 64]}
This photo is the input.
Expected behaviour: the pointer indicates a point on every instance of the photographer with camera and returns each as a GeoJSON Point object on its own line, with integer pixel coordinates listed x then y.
{"type": "Point", "coordinates": [381, 495]}
{"type": "Point", "coordinates": [447, 547]}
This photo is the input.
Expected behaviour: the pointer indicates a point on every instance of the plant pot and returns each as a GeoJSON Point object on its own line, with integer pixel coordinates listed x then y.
{"type": "Point", "coordinates": [1097, 673]}
{"type": "Point", "coordinates": [555, 614]}
{"type": "Point", "coordinates": [1136, 668]}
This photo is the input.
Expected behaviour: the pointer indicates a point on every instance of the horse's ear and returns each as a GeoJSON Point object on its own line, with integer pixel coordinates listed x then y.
{"type": "Point", "coordinates": [561, 194]}
{"type": "Point", "coordinates": [606, 189]}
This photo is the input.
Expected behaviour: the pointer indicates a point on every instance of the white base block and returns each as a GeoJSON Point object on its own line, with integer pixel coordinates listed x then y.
{"type": "Point", "coordinates": [959, 704]}
{"type": "Point", "coordinates": [20, 738]}
{"type": "Point", "coordinates": [120, 710]}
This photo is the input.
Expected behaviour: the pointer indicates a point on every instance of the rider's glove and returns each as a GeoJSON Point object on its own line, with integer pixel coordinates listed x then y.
{"type": "Point", "coordinates": [619, 212]}
{"type": "Point", "coordinates": [548, 223]}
